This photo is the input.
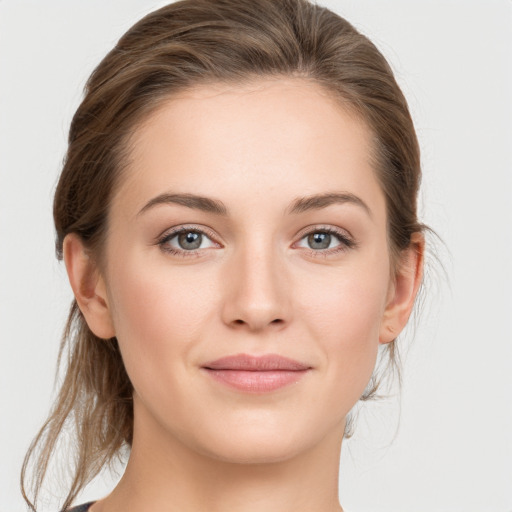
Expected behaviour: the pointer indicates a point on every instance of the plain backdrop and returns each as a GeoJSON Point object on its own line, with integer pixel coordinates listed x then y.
{"type": "Point", "coordinates": [448, 448]}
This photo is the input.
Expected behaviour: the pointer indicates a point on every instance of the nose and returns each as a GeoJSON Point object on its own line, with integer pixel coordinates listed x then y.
{"type": "Point", "coordinates": [257, 295]}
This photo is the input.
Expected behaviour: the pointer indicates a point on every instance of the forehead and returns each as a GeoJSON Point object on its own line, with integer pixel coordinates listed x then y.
{"type": "Point", "coordinates": [289, 135]}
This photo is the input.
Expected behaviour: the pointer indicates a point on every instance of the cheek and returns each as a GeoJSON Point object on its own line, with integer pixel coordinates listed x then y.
{"type": "Point", "coordinates": [158, 314]}
{"type": "Point", "coordinates": [346, 305]}
{"type": "Point", "coordinates": [344, 316]}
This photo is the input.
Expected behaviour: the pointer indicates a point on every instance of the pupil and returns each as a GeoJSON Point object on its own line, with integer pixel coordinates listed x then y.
{"type": "Point", "coordinates": [190, 240]}
{"type": "Point", "coordinates": [319, 240]}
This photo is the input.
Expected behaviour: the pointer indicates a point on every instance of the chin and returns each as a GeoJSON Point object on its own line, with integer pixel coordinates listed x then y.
{"type": "Point", "coordinates": [255, 450]}
{"type": "Point", "coordinates": [262, 443]}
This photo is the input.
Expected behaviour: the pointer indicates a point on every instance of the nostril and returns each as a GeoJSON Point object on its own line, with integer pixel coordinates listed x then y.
{"type": "Point", "coordinates": [276, 321]}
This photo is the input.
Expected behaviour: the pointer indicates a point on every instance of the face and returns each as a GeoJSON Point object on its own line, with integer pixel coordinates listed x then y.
{"type": "Point", "coordinates": [249, 223]}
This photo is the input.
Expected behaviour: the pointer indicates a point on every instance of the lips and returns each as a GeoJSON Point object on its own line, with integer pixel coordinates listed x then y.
{"type": "Point", "coordinates": [269, 362]}
{"type": "Point", "coordinates": [256, 374]}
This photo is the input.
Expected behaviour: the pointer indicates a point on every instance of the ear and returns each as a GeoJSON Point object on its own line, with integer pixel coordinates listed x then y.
{"type": "Point", "coordinates": [403, 289]}
{"type": "Point", "coordinates": [88, 286]}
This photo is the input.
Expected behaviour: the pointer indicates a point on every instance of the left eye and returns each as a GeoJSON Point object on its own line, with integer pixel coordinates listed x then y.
{"type": "Point", "coordinates": [321, 240]}
{"type": "Point", "coordinates": [187, 240]}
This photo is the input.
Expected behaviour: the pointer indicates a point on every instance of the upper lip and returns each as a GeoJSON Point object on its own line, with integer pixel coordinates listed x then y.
{"type": "Point", "coordinates": [267, 362]}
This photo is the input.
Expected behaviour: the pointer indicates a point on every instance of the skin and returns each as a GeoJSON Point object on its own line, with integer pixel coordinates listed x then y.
{"type": "Point", "coordinates": [254, 286]}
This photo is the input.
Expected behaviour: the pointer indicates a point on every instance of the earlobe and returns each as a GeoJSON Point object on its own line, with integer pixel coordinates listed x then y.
{"type": "Point", "coordinates": [88, 287]}
{"type": "Point", "coordinates": [403, 290]}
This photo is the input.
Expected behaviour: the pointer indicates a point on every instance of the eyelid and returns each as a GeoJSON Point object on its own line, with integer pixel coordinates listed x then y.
{"type": "Point", "coordinates": [328, 228]}
{"type": "Point", "coordinates": [205, 230]}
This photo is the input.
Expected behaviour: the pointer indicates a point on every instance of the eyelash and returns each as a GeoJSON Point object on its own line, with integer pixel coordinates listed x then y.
{"type": "Point", "coordinates": [345, 242]}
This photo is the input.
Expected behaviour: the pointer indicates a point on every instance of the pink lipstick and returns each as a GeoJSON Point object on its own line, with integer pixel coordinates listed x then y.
{"type": "Point", "coordinates": [256, 374]}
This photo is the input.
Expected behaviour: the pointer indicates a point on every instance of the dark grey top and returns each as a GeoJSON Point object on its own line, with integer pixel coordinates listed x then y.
{"type": "Point", "coordinates": [81, 508]}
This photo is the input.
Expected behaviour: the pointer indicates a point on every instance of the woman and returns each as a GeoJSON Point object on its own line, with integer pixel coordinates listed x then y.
{"type": "Point", "coordinates": [237, 216]}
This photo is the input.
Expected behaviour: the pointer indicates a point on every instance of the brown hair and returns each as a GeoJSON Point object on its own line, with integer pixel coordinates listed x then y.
{"type": "Point", "coordinates": [182, 45]}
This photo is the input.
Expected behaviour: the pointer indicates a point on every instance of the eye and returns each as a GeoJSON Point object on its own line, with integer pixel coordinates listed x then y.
{"type": "Point", "coordinates": [326, 240]}
{"type": "Point", "coordinates": [185, 240]}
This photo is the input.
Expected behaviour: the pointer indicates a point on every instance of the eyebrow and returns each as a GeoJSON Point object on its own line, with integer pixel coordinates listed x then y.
{"type": "Point", "coordinates": [319, 201]}
{"type": "Point", "coordinates": [204, 204]}
{"type": "Point", "coordinates": [299, 205]}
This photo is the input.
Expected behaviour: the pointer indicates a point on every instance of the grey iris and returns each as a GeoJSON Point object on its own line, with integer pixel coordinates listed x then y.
{"type": "Point", "coordinates": [319, 240]}
{"type": "Point", "coordinates": [190, 240]}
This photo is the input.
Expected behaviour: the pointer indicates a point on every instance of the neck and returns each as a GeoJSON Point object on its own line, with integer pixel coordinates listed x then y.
{"type": "Point", "coordinates": [164, 474]}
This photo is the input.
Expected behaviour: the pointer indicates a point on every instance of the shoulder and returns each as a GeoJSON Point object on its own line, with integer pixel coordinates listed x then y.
{"type": "Point", "coordinates": [80, 508]}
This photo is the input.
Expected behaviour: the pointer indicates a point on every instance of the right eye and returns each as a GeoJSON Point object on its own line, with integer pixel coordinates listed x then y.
{"type": "Point", "coordinates": [186, 240]}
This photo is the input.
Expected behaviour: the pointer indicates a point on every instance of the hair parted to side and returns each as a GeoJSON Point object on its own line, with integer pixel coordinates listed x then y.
{"type": "Point", "coordinates": [182, 45]}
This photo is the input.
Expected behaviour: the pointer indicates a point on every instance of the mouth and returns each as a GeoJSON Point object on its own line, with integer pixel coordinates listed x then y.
{"type": "Point", "coordinates": [256, 374]}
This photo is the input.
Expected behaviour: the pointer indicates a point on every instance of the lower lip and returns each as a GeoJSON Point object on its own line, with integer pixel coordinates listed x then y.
{"type": "Point", "coordinates": [257, 381]}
